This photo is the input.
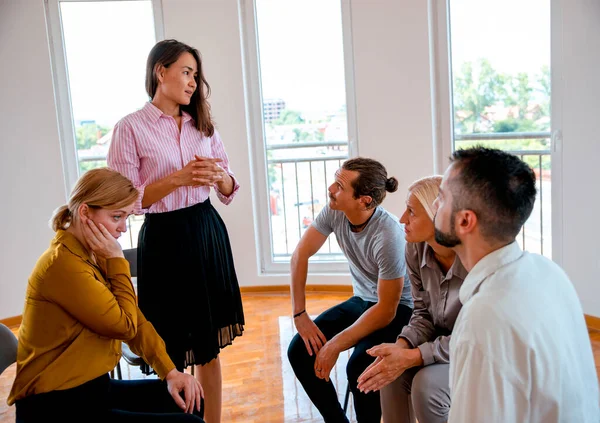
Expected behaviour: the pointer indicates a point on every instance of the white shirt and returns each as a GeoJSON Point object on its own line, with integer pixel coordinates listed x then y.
{"type": "Point", "coordinates": [520, 351]}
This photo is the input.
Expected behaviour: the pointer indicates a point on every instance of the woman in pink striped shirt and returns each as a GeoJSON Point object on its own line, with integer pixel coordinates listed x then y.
{"type": "Point", "coordinates": [171, 151]}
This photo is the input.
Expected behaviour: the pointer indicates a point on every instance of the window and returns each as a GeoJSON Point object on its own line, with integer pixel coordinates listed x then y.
{"type": "Point", "coordinates": [301, 99]}
{"type": "Point", "coordinates": [99, 59]}
{"type": "Point", "coordinates": [500, 91]}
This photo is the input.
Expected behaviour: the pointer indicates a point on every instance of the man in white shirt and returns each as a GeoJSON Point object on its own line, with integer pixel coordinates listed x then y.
{"type": "Point", "coordinates": [520, 348]}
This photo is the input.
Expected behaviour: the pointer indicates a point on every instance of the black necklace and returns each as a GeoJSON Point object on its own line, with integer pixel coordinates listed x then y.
{"type": "Point", "coordinates": [360, 226]}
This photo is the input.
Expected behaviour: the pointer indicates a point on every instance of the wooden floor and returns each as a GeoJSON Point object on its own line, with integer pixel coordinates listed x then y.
{"type": "Point", "coordinates": [258, 383]}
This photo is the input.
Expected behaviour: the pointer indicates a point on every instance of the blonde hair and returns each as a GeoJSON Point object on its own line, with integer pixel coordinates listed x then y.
{"type": "Point", "coordinates": [98, 188]}
{"type": "Point", "coordinates": [426, 190]}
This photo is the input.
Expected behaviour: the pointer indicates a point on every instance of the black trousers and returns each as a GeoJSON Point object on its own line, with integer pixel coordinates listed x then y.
{"type": "Point", "coordinates": [106, 400]}
{"type": "Point", "coordinates": [321, 392]}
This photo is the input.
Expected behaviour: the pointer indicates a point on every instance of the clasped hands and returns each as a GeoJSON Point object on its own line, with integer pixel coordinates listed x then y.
{"type": "Point", "coordinates": [202, 171]}
{"type": "Point", "coordinates": [391, 360]}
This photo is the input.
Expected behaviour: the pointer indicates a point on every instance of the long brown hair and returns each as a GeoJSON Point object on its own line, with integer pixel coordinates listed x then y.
{"type": "Point", "coordinates": [167, 52]}
{"type": "Point", "coordinates": [98, 188]}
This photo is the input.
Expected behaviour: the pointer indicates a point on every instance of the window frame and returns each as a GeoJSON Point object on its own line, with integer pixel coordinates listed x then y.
{"type": "Point", "coordinates": [443, 105]}
{"type": "Point", "coordinates": [256, 136]}
{"type": "Point", "coordinates": [60, 76]}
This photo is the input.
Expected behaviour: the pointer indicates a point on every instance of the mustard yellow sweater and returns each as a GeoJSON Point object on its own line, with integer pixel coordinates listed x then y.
{"type": "Point", "coordinates": [76, 315]}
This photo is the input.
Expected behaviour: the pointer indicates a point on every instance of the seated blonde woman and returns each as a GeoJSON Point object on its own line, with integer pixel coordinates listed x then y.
{"type": "Point", "coordinates": [413, 373]}
{"type": "Point", "coordinates": [80, 305]}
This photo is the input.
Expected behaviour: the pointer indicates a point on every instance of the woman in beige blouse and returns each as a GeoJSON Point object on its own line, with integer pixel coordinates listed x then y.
{"type": "Point", "coordinates": [412, 374]}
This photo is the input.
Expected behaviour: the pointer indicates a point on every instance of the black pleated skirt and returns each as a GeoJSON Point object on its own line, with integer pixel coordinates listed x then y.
{"type": "Point", "coordinates": [187, 285]}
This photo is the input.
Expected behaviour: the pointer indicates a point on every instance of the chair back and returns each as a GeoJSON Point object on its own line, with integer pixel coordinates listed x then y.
{"type": "Point", "coordinates": [8, 348]}
{"type": "Point", "coordinates": [131, 256]}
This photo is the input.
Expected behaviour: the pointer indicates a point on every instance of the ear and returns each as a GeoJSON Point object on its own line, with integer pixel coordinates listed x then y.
{"type": "Point", "coordinates": [159, 71]}
{"type": "Point", "coordinates": [466, 222]}
{"type": "Point", "coordinates": [84, 213]}
{"type": "Point", "coordinates": [366, 200]}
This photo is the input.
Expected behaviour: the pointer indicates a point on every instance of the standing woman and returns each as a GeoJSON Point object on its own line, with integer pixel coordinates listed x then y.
{"type": "Point", "coordinates": [170, 150]}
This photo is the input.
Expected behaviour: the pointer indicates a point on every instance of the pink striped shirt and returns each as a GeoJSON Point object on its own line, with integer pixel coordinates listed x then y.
{"type": "Point", "coordinates": [147, 146]}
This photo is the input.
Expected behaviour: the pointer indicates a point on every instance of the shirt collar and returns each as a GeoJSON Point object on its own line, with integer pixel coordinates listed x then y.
{"type": "Point", "coordinates": [154, 113]}
{"type": "Point", "coordinates": [486, 267]}
{"type": "Point", "coordinates": [457, 269]}
{"type": "Point", "coordinates": [72, 244]}
{"type": "Point", "coordinates": [427, 252]}
{"type": "Point", "coordinates": [186, 116]}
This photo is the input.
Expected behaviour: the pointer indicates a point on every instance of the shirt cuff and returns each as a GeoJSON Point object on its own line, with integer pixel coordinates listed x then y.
{"type": "Point", "coordinates": [137, 208]}
{"type": "Point", "coordinates": [427, 353]}
{"type": "Point", "coordinates": [407, 336]}
{"type": "Point", "coordinates": [226, 199]}
{"type": "Point", "coordinates": [163, 365]}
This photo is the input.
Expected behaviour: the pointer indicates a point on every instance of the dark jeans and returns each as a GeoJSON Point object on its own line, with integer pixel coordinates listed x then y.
{"type": "Point", "coordinates": [321, 392]}
{"type": "Point", "coordinates": [105, 400]}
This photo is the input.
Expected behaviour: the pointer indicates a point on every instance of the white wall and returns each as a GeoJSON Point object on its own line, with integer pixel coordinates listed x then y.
{"type": "Point", "coordinates": [576, 58]}
{"type": "Point", "coordinates": [30, 163]}
{"type": "Point", "coordinates": [391, 65]}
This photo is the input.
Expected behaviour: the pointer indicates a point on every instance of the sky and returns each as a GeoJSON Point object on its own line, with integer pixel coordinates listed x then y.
{"type": "Point", "coordinates": [513, 34]}
{"type": "Point", "coordinates": [301, 53]}
{"type": "Point", "coordinates": [300, 49]}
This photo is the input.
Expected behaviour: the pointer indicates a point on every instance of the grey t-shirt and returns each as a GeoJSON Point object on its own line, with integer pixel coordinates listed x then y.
{"type": "Point", "coordinates": [377, 252]}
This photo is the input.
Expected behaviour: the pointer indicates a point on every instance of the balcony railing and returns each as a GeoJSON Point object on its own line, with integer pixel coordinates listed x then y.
{"type": "Point", "coordinates": [298, 191]}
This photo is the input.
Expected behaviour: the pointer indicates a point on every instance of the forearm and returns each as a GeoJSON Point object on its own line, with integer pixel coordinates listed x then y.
{"type": "Point", "coordinates": [420, 329]}
{"type": "Point", "coordinates": [150, 346]}
{"type": "Point", "coordinates": [109, 310]}
{"type": "Point", "coordinates": [159, 190]}
{"type": "Point", "coordinates": [373, 319]}
{"type": "Point", "coordinates": [299, 270]}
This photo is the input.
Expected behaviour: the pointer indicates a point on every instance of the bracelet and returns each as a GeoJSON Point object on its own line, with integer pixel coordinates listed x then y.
{"type": "Point", "coordinates": [299, 314]}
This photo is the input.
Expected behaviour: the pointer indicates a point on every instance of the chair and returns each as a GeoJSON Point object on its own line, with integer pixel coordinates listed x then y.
{"type": "Point", "coordinates": [347, 398]}
{"type": "Point", "coordinates": [130, 357]}
{"type": "Point", "coordinates": [131, 256]}
{"type": "Point", "coordinates": [8, 348]}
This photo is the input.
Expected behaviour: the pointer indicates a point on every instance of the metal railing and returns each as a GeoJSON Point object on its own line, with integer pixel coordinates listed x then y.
{"type": "Point", "coordinates": [302, 183]}
{"type": "Point", "coordinates": [311, 187]}
{"type": "Point", "coordinates": [502, 136]}
{"type": "Point", "coordinates": [291, 197]}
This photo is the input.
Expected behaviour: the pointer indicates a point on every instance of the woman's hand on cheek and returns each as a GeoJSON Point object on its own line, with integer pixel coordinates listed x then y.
{"type": "Point", "coordinates": [100, 241]}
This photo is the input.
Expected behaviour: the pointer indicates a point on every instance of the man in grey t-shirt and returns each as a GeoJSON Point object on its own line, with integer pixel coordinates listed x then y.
{"type": "Point", "coordinates": [373, 242]}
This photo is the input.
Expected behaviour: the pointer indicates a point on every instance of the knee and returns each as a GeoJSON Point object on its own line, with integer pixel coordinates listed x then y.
{"type": "Point", "coordinates": [428, 389]}
{"type": "Point", "coordinates": [191, 418]}
{"type": "Point", "coordinates": [297, 351]}
{"type": "Point", "coordinates": [357, 363]}
{"type": "Point", "coordinates": [395, 399]}
{"type": "Point", "coordinates": [422, 384]}
{"type": "Point", "coordinates": [399, 386]}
